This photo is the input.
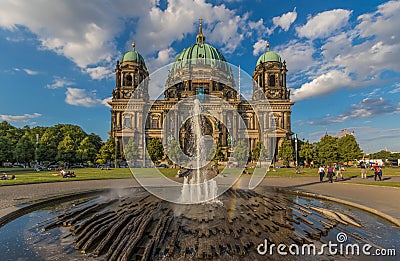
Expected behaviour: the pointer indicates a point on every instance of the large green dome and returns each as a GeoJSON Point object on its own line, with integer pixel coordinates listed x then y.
{"type": "Point", "coordinates": [200, 54]}
{"type": "Point", "coordinates": [200, 50]}
{"type": "Point", "coordinates": [269, 56]}
{"type": "Point", "coordinates": [133, 56]}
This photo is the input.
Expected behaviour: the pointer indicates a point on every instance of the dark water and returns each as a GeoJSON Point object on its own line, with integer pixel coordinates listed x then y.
{"type": "Point", "coordinates": [23, 238]}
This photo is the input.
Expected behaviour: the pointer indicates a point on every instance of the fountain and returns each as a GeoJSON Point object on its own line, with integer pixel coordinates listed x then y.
{"type": "Point", "coordinates": [134, 225]}
{"type": "Point", "coordinates": [197, 187]}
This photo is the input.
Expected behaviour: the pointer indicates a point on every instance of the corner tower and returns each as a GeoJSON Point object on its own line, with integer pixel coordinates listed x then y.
{"type": "Point", "coordinates": [270, 78]}
{"type": "Point", "coordinates": [129, 75]}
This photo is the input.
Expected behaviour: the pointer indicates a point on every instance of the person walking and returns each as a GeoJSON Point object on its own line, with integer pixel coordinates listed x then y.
{"type": "Point", "coordinates": [377, 172]}
{"type": "Point", "coordinates": [338, 168]}
{"type": "Point", "coordinates": [330, 173]}
{"type": "Point", "coordinates": [321, 172]}
{"type": "Point", "coordinates": [363, 170]}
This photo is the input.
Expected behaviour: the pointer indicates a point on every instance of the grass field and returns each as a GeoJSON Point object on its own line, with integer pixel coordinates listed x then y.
{"type": "Point", "coordinates": [24, 176]}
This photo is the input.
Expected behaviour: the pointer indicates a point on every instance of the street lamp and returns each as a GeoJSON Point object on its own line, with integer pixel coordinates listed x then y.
{"type": "Point", "coordinates": [295, 148]}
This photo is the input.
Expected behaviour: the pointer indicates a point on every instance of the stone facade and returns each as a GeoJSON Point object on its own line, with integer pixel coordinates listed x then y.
{"type": "Point", "coordinates": [133, 114]}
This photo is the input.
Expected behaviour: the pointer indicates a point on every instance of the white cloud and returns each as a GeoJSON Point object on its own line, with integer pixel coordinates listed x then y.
{"type": "Point", "coordinates": [366, 108]}
{"type": "Point", "coordinates": [259, 47]}
{"type": "Point", "coordinates": [160, 28]}
{"type": "Point", "coordinates": [106, 101]}
{"type": "Point", "coordinates": [284, 21]}
{"type": "Point", "coordinates": [99, 72]}
{"type": "Point", "coordinates": [79, 97]}
{"type": "Point", "coordinates": [27, 71]}
{"type": "Point", "coordinates": [324, 24]}
{"type": "Point", "coordinates": [323, 84]}
{"type": "Point", "coordinates": [364, 51]}
{"type": "Point", "coordinates": [257, 27]}
{"type": "Point", "coordinates": [19, 118]}
{"type": "Point", "coordinates": [83, 31]}
{"type": "Point", "coordinates": [396, 88]}
{"type": "Point", "coordinates": [163, 58]}
{"type": "Point", "coordinates": [59, 82]}
{"type": "Point", "coordinates": [298, 55]}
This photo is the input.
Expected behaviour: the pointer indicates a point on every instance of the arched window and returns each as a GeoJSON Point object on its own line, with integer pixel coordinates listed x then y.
{"type": "Point", "coordinates": [272, 80]}
{"type": "Point", "coordinates": [128, 80]}
{"type": "Point", "coordinates": [154, 123]}
{"type": "Point", "coordinates": [128, 121]}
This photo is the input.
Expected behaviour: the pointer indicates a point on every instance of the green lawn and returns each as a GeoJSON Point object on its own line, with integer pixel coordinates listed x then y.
{"type": "Point", "coordinates": [81, 174]}
{"type": "Point", "coordinates": [29, 176]}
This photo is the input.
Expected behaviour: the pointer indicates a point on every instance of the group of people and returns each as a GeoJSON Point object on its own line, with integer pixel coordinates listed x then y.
{"type": "Point", "coordinates": [67, 174]}
{"type": "Point", "coordinates": [330, 169]}
{"type": "Point", "coordinates": [376, 168]}
{"type": "Point", "coordinates": [4, 176]}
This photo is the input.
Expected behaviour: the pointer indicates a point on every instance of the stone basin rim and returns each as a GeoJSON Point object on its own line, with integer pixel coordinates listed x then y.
{"type": "Point", "coordinates": [11, 213]}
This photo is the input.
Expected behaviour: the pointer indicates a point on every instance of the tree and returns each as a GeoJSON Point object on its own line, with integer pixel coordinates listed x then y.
{"type": "Point", "coordinates": [155, 149]}
{"type": "Point", "coordinates": [216, 152]}
{"type": "Point", "coordinates": [89, 147]}
{"type": "Point", "coordinates": [131, 151]}
{"type": "Point", "coordinates": [66, 150]}
{"type": "Point", "coordinates": [24, 150]}
{"type": "Point", "coordinates": [175, 153]}
{"type": "Point", "coordinates": [286, 152]}
{"type": "Point", "coordinates": [327, 150]}
{"type": "Point", "coordinates": [241, 152]}
{"type": "Point", "coordinates": [383, 154]}
{"type": "Point", "coordinates": [259, 152]}
{"type": "Point", "coordinates": [6, 150]}
{"type": "Point", "coordinates": [107, 151]}
{"type": "Point", "coordinates": [349, 149]}
{"type": "Point", "coordinates": [307, 151]}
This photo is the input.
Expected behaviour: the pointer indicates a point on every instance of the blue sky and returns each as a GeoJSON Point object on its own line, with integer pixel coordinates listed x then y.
{"type": "Point", "coordinates": [57, 57]}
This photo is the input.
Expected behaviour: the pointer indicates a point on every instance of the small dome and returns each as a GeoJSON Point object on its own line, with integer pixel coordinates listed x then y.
{"type": "Point", "coordinates": [269, 56]}
{"type": "Point", "coordinates": [133, 56]}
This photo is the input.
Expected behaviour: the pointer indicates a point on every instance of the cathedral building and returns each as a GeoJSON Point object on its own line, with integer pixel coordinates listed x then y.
{"type": "Point", "coordinates": [201, 71]}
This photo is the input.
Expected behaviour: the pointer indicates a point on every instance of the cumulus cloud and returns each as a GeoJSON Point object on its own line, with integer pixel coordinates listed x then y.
{"type": "Point", "coordinates": [162, 58]}
{"type": "Point", "coordinates": [86, 31]}
{"type": "Point", "coordinates": [364, 51]}
{"type": "Point", "coordinates": [19, 118]}
{"type": "Point", "coordinates": [59, 82]}
{"type": "Point", "coordinates": [299, 53]}
{"type": "Point", "coordinates": [259, 47]}
{"type": "Point", "coordinates": [83, 31]}
{"type": "Point", "coordinates": [106, 101]}
{"type": "Point", "coordinates": [366, 108]}
{"type": "Point", "coordinates": [323, 84]}
{"type": "Point", "coordinates": [160, 28]}
{"type": "Point", "coordinates": [99, 72]}
{"type": "Point", "coordinates": [80, 97]}
{"type": "Point", "coordinates": [324, 24]}
{"type": "Point", "coordinates": [284, 21]}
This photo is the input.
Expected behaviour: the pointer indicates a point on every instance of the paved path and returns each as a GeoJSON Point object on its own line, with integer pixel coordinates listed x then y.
{"type": "Point", "coordinates": [384, 199]}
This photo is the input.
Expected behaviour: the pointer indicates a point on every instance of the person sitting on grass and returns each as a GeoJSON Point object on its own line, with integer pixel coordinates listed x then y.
{"type": "Point", "coordinates": [4, 176]}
